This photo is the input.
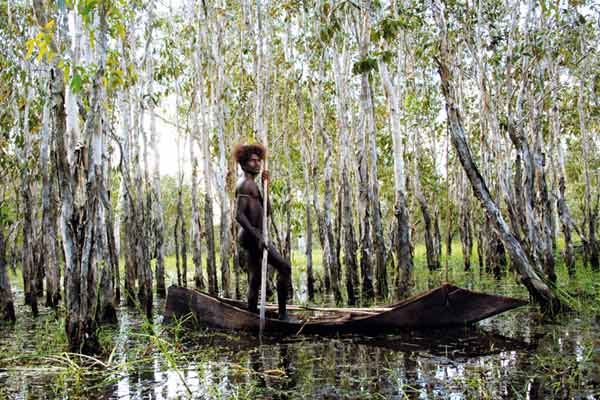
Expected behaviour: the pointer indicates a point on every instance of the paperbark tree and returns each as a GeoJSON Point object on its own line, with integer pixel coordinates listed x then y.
{"type": "Point", "coordinates": [366, 130]}
{"type": "Point", "coordinates": [82, 196]}
{"type": "Point", "coordinates": [432, 247]}
{"type": "Point", "coordinates": [195, 223]}
{"type": "Point", "coordinates": [25, 155]}
{"type": "Point", "coordinates": [558, 145]}
{"type": "Point", "coordinates": [340, 70]}
{"type": "Point", "coordinates": [331, 263]}
{"type": "Point", "coordinates": [402, 245]}
{"type": "Point", "coordinates": [156, 209]}
{"type": "Point", "coordinates": [7, 306]}
{"type": "Point", "coordinates": [204, 138]}
{"type": "Point", "coordinates": [309, 161]}
{"type": "Point", "coordinates": [218, 106]}
{"type": "Point", "coordinates": [529, 274]}
{"type": "Point", "coordinates": [140, 214]}
{"type": "Point", "coordinates": [48, 215]}
{"type": "Point", "coordinates": [127, 216]}
{"type": "Point", "coordinates": [464, 227]}
{"type": "Point", "coordinates": [591, 245]}
{"type": "Point", "coordinates": [381, 280]}
{"type": "Point", "coordinates": [330, 253]}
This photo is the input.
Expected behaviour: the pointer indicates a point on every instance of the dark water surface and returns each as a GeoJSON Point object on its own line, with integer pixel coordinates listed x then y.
{"type": "Point", "coordinates": [514, 355]}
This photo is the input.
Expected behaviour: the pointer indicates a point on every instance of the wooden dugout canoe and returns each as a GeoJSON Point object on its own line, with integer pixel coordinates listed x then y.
{"type": "Point", "coordinates": [444, 306]}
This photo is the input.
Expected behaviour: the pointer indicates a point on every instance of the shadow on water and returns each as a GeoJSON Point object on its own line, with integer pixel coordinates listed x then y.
{"type": "Point", "coordinates": [510, 356]}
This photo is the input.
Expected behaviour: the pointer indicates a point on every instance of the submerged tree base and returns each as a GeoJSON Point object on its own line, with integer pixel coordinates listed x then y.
{"type": "Point", "coordinates": [82, 337]}
{"type": "Point", "coordinates": [8, 312]}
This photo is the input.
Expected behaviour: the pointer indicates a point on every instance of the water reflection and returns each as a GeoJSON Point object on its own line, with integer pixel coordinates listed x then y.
{"type": "Point", "coordinates": [508, 357]}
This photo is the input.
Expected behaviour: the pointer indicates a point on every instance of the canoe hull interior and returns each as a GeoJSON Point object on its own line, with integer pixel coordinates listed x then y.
{"type": "Point", "coordinates": [444, 306]}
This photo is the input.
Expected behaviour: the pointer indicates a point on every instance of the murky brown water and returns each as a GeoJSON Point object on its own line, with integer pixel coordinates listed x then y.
{"type": "Point", "coordinates": [510, 356]}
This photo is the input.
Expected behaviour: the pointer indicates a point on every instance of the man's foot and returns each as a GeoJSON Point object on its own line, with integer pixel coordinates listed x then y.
{"type": "Point", "coordinates": [283, 316]}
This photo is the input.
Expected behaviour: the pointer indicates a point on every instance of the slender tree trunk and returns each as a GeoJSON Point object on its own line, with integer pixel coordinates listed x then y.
{"type": "Point", "coordinates": [530, 276]}
{"type": "Point", "coordinates": [176, 231]}
{"type": "Point", "coordinates": [591, 246]}
{"type": "Point", "coordinates": [327, 247]}
{"type": "Point", "coordinates": [140, 215]}
{"type": "Point", "coordinates": [204, 139]}
{"type": "Point", "coordinates": [365, 196]}
{"type": "Point", "coordinates": [402, 245]}
{"type": "Point", "coordinates": [27, 204]}
{"type": "Point", "coordinates": [107, 312]}
{"type": "Point", "coordinates": [106, 289]}
{"type": "Point", "coordinates": [218, 102]}
{"type": "Point", "coordinates": [431, 243]}
{"type": "Point", "coordinates": [464, 228]}
{"type": "Point", "coordinates": [231, 178]}
{"type": "Point", "coordinates": [331, 243]}
{"type": "Point", "coordinates": [449, 225]}
{"type": "Point", "coordinates": [330, 255]}
{"type": "Point", "coordinates": [542, 205]}
{"type": "Point", "coordinates": [115, 237]}
{"type": "Point", "coordinates": [196, 228]}
{"type": "Point", "coordinates": [144, 190]}
{"type": "Point", "coordinates": [490, 251]}
{"type": "Point", "coordinates": [558, 142]}
{"type": "Point", "coordinates": [378, 242]}
{"type": "Point", "coordinates": [211, 267]}
{"type": "Point", "coordinates": [157, 222]}
{"type": "Point", "coordinates": [309, 161]}
{"type": "Point", "coordinates": [350, 246]}
{"type": "Point", "coordinates": [48, 215]}
{"type": "Point", "coordinates": [112, 239]}
{"type": "Point", "coordinates": [7, 306]}
{"type": "Point", "coordinates": [127, 216]}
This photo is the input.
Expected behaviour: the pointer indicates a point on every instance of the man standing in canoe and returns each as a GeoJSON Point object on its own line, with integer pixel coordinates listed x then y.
{"type": "Point", "coordinates": [250, 217]}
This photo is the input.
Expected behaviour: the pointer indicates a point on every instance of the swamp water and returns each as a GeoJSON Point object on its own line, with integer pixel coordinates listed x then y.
{"type": "Point", "coordinates": [513, 355]}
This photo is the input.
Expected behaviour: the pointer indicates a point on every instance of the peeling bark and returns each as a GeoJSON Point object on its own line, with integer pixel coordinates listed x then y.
{"type": "Point", "coordinates": [365, 184]}
{"type": "Point", "coordinates": [402, 247]}
{"type": "Point", "coordinates": [529, 274]}
{"type": "Point", "coordinates": [28, 264]}
{"type": "Point", "coordinates": [7, 306]}
{"type": "Point", "coordinates": [49, 238]}
{"type": "Point", "coordinates": [350, 246]}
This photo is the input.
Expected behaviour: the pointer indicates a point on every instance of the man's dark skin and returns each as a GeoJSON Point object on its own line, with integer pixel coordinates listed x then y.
{"type": "Point", "coordinates": [250, 217]}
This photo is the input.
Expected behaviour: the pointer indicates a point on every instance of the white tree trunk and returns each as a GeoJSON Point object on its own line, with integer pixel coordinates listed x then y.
{"type": "Point", "coordinates": [403, 248]}
{"type": "Point", "coordinates": [48, 215]}
{"type": "Point", "coordinates": [530, 276]}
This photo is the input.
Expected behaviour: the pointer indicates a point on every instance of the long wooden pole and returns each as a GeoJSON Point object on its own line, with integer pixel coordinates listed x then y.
{"type": "Point", "coordinates": [259, 127]}
{"type": "Point", "coordinates": [263, 277]}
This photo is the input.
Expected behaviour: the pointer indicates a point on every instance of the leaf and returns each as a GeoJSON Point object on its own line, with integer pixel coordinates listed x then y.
{"type": "Point", "coordinates": [76, 83]}
{"type": "Point", "coordinates": [120, 28]}
{"type": "Point", "coordinates": [43, 48]}
{"type": "Point", "coordinates": [365, 65]}
{"type": "Point", "coordinates": [387, 56]}
{"type": "Point", "coordinates": [49, 25]}
{"type": "Point", "coordinates": [92, 40]}
{"type": "Point", "coordinates": [30, 47]}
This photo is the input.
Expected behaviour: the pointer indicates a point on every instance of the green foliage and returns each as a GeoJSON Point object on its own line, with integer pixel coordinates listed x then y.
{"type": "Point", "coordinates": [42, 43]}
{"type": "Point", "coordinates": [364, 66]}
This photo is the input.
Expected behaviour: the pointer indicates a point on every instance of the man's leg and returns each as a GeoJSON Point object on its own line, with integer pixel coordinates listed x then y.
{"type": "Point", "coordinates": [253, 265]}
{"type": "Point", "coordinates": [284, 278]}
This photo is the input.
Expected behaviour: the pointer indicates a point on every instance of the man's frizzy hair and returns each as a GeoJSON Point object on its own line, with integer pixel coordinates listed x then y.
{"type": "Point", "coordinates": [242, 152]}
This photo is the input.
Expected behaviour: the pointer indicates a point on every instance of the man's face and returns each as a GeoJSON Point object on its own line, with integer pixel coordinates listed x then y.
{"type": "Point", "coordinates": [253, 164]}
